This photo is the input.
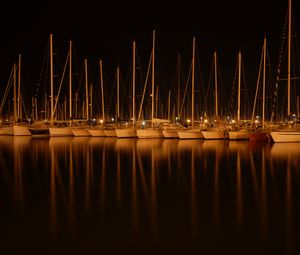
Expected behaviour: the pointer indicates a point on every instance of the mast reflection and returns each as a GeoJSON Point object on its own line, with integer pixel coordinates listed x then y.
{"type": "Point", "coordinates": [19, 146]}
{"type": "Point", "coordinates": [135, 216]}
{"type": "Point", "coordinates": [289, 208]}
{"type": "Point", "coordinates": [239, 194]}
{"type": "Point", "coordinates": [53, 210]}
{"type": "Point", "coordinates": [145, 189]}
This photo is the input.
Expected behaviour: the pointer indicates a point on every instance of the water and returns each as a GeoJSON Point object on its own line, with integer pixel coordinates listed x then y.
{"type": "Point", "coordinates": [113, 196]}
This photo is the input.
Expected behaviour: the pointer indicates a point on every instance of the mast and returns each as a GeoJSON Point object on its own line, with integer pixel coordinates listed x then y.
{"type": "Point", "coordinates": [289, 58]}
{"type": "Point", "coordinates": [86, 91]}
{"type": "Point", "coordinates": [91, 100]}
{"type": "Point", "coordinates": [118, 94]}
{"type": "Point", "coordinates": [153, 66]}
{"type": "Point", "coordinates": [102, 94]}
{"type": "Point", "coordinates": [264, 84]}
{"type": "Point", "coordinates": [19, 89]}
{"type": "Point", "coordinates": [216, 86]}
{"type": "Point", "coordinates": [51, 79]}
{"type": "Point", "coordinates": [36, 111]}
{"type": "Point", "coordinates": [239, 88]}
{"type": "Point", "coordinates": [178, 85]}
{"type": "Point", "coordinates": [169, 105]}
{"type": "Point", "coordinates": [193, 80]}
{"type": "Point", "coordinates": [133, 84]}
{"type": "Point", "coordinates": [70, 82]}
{"type": "Point", "coordinates": [15, 93]}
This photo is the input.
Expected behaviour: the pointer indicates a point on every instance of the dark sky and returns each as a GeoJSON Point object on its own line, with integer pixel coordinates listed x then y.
{"type": "Point", "coordinates": [102, 31]}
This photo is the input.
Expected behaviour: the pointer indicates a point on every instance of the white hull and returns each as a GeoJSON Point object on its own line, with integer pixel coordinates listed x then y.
{"type": "Point", "coordinates": [190, 134]}
{"type": "Point", "coordinates": [285, 136]}
{"type": "Point", "coordinates": [238, 135]}
{"type": "Point", "coordinates": [6, 131]}
{"type": "Point", "coordinates": [97, 132]}
{"type": "Point", "coordinates": [126, 133]}
{"type": "Point", "coordinates": [149, 133]}
{"type": "Point", "coordinates": [56, 131]}
{"type": "Point", "coordinates": [170, 133]}
{"type": "Point", "coordinates": [215, 133]}
{"type": "Point", "coordinates": [21, 131]}
{"type": "Point", "coordinates": [110, 132]}
{"type": "Point", "coordinates": [81, 132]}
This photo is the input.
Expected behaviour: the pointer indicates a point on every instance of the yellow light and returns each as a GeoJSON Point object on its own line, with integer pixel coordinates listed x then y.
{"type": "Point", "coordinates": [188, 121]}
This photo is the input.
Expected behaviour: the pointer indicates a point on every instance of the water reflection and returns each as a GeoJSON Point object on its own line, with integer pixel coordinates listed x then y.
{"type": "Point", "coordinates": [153, 190]}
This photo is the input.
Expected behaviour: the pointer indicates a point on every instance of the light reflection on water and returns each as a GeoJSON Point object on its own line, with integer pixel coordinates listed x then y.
{"type": "Point", "coordinates": [151, 195]}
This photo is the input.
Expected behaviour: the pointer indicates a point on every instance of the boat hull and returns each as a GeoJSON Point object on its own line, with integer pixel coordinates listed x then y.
{"type": "Point", "coordinates": [190, 134]}
{"type": "Point", "coordinates": [110, 132]}
{"type": "Point", "coordinates": [126, 133]}
{"type": "Point", "coordinates": [238, 135]}
{"type": "Point", "coordinates": [259, 137]}
{"type": "Point", "coordinates": [149, 133]}
{"type": "Point", "coordinates": [81, 132]}
{"type": "Point", "coordinates": [285, 136]}
{"type": "Point", "coordinates": [56, 131]}
{"type": "Point", "coordinates": [97, 132]}
{"type": "Point", "coordinates": [215, 135]}
{"type": "Point", "coordinates": [21, 131]}
{"type": "Point", "coordinates": [169, 133]}
{"type": "Point", "coordinates": [6, 130]}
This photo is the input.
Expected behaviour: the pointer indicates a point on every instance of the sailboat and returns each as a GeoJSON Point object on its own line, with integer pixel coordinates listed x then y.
{"type": "Point", "coordinates": [51, 127]}
{"type": "Point", "coordinates": [55, 130]}
{"type": "Point", "coordinates": [238, 133]}
{"type": "Point", "coordinates": [171, 130]}
{"type": "Point", "coordinates": [82, 130]}
{"type": "Point", "coordinates": [19, 128]}
{"type": "Point", "coordinates": [260, 135]}
{"type": "Point", "coordinates": [193, 132]}
{"type": "Point", "coordinates": [99, 129]}
{"type": "Point", "coordinates": [291, 131]}
{"type": "Point", "coordinates": [110, 129]}
{"type": "Point", "coordinates": [130, 131]}
{"type": "Point", "coordinates": [16, 128]}
{"type": "Point", "coordinates": [217, 131]}
{"type": "Point", "coordinates": [8, 122]}
{"type": "Point", "coordinates": [151, 132]}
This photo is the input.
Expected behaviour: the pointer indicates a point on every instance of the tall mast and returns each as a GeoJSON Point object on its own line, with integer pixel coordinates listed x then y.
{"type": "Point", "coordinates": [19, 88]}
{"type": "Point", "coordinates": [169, 105]}
{"type": "Point", "coordinates": [118, 94]}
{"type": "Point", "coordinates": [70, 82]}
{"type": "Point", "coordinates": [216, 85]}
{"type": "Point", "coordinates": [51, 79]}
{"type": "Point", "coordinates": [91, 100]}
{"type": "Point", "coordinates": [264, 84]}
{"type": "Point", "coordinates": [133, 84]}
{"type": "Point", "coordinates": [239, 88]}
{"type": "Point", "coordinates": [15, 93]}
{"type": "Point", "coordinates": [86, 91]}
{"type": "Point", "coordinates": [193, 80]}
{"type": "Point", "coordinates": [102, 94]}
{"type": "Point", "coordinates": [153, 66]}
{"type": "Point", "coordinates": [178, 85]}
{"type": "Point", "coordinates": [289, 58]}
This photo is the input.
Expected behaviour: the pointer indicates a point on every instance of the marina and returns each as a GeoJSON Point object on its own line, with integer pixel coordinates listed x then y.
{"type": "Point", "coordinates": [153, 133]}
{"type": "Point", "coordinates": [148, 195]}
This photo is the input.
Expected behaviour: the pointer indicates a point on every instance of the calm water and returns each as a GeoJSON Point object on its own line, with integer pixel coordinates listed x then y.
{"type": "Point", "coordinates": [109, 196]}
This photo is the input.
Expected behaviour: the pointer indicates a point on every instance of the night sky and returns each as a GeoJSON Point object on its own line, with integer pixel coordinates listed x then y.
{"type": "Point", "coordinates": [102, 31]}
